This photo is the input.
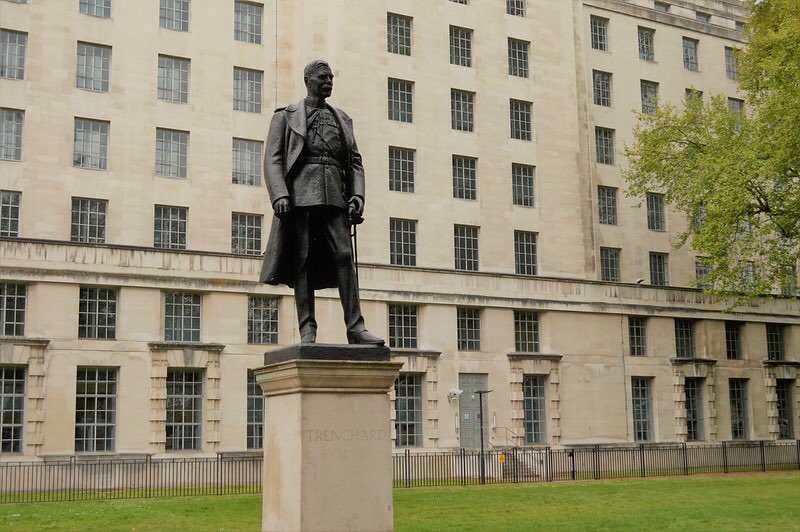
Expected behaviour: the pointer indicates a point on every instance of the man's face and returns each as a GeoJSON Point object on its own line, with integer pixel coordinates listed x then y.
{"type": "Point", "coordinates": [320, 83]}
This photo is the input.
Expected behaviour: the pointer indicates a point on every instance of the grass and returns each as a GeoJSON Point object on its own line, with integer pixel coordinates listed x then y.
{"type": "Point", "coordinates": [753, 501]}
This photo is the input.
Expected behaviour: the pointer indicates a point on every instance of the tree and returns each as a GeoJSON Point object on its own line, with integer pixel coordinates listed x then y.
{"type": "Point", "coordinates": [735, 175]}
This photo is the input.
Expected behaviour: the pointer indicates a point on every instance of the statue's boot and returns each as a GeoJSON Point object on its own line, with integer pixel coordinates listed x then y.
{"type": "Point", "coordinates": [364, 337]}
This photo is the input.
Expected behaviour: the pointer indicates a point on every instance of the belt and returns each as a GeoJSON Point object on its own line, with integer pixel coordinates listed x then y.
{"type": "Point", "coordinates": [330, 161]}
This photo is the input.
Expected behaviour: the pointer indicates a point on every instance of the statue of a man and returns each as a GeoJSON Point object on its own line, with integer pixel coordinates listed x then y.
{"type": "Point", "coordinates": [316, 184]}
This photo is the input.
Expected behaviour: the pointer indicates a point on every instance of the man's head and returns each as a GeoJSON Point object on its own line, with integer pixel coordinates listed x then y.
{"type": "Point", "coordinates": [318, 79]}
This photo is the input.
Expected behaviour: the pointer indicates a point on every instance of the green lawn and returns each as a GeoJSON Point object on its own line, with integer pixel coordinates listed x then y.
{"type": "Point", "coordinates": [765, 501]}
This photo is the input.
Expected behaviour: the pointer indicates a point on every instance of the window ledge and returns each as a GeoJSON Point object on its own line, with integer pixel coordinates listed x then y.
{"type": "Point", "coordinates": [404, 352]}
{"type": "Point", "coordinates": [21, 340]}
{"type": "Point", "coordinates": [163, 346]}
{"type": "Point", "coordinates": [518, 355]}
{"type": "Point", "coordinates": [771, 363]}
{"type": "Point", "coordinates": [693, 360]}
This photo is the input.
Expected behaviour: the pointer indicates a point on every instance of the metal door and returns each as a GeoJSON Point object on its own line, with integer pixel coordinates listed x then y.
{"type": "Point", "coordinates": [469, 412]}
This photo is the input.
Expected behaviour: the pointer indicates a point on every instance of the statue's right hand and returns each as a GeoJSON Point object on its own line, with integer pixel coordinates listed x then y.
{"type": "Point", "coordinates": [282, 207]}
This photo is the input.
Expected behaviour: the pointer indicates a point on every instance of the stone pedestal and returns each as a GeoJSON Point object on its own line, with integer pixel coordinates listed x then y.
{"type": "Point", "coordinates": [327, 441]}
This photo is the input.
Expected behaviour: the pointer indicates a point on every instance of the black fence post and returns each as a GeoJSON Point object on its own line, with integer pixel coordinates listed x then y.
{"type": "Point", "coordinates": [71, 478]}
{"type": "Point", "coordinates": [724, 457]}
{"type": "Point", "coordinates": [572, 463]}
{"type": "Point", "coordinates": [596, 462]}
{"type": "Point", "coordinates": [407, 457]}
{"type": "Point", "coordinates": [219, 474]}
{"type": "Point", "coordinates": [463, 467]}
{"type": "Point", "coordinates": [641, 460]}
{"type": "Point", "coordinates": [549, 464]}
{"type": "Point", "coordinates": [763, 456]}
{"type": "Point", "coordinates": [685, 460]}
{"type": "Point", "coordinates": [798, 453]}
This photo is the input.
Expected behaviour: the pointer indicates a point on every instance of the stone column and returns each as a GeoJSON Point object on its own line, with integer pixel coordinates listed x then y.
{"type": "Point", "coordinates": [327, 441]}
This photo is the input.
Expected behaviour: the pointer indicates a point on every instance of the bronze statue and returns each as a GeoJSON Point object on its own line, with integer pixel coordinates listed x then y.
{"type": "Point", "coordinates": [315, 181]}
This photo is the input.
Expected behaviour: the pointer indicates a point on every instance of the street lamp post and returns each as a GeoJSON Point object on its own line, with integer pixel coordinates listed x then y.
{"type": "Point", "coordinates": [481, 393]}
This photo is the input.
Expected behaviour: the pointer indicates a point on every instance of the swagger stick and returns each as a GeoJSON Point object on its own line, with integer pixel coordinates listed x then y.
{"type": "Point", "coordinates": [355, 251]}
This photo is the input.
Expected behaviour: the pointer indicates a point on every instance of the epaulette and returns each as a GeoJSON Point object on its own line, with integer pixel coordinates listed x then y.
{"type": "Point", "coordinates": [280, 109]}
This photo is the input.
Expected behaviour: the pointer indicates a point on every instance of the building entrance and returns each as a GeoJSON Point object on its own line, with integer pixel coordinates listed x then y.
{"type": "Point", "coordinates": [469, 411]}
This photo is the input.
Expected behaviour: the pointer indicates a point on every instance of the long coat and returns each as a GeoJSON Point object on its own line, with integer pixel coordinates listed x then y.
{"type": "Point", "coordinates": [282, 161]}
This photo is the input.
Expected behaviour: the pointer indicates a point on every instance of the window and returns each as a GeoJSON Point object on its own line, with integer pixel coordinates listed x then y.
{"type": "Point", "coordinates": [515, 7]}
{"type": "Point", "coordinates": [733, 340]}
{"type": "Point", "coordinates": [462, 110]}
{"type": "Point", "coordinates": [465, 178]}
{"type": "Point", "coordinates": [12, 309]}
{"type": "Point", "coordinates": [599, 33]}
{"type": "Point", "coordinates": [173, 79]}
{"type": "Point", "coordinates": [526, 331]}
{"type": "Point", "coordinates": [97, 313]}
{"type": "Point", "coordinates": [91, 144]}
{"type": "Point", "coordinates": [518, 57]}
{"type": "Point", "coordinates": [739, 25]}
{"type": "Point", "coordinates": [12, 406]}
{"type": "Point", "coordinates": [693, 397]}
{"type": "Point", "coordinates": [95, 410]}
{"type": "Point", "coordinates": [731, 64]}
{"type": "Point", "coordinates": [601, 82]}
{"type": "Point", "coordinates": [96, 8]}
{"type": "Point", "coordinates": [460, 46]}
{"type": "Point", "coordinates": [402, 162]}
{"type": "Point", "coordinates": [738, 398]}
{"type": "Point", "coordinates": [247, 22]}
{"type": "Point", "coordinates": [88, 220]}
{"type": "Point", "coordinates": [520, 115]}
{"type": "Point", "coordinates": [398, 34]}
{"type": "Point", "coordinates": [403, 326]}
{"type": "Point", "coordinates": [408, 410]}
{"type": "Point", "coordinates": [400, 100]}
{"type": "Point", "coordinates": [649, 90]}
{"type": "Point", "coordinates": [641, 394]}
{"type": "Point", "coordinates": [684, 338]}
{"type": "Point", "coordinates": [661, 6]}
{"type": "Point", "coordinates": [94, 67]}
{"type": "Point", "coordinates": [702, 17]}
{"type": "Point", "coordinates": [690, 54]}
{"type": "Point", "coordinates": [169, 230]}
{"type": "Point", "coordinates": [246, 163]}
{"type": "Point", "coordinates": [466, 247]}
{"type": "Point", "coordinates": [522, 184]}
{"type": "Point", "coordinates": [735, 105]}
{"type": "Point", "coordinates": [246, 233]}
{"type": "Point", "coordinates": [402, 242]}
{"type": "Point", "coordinates": [533, 407]}
{"type": "Point", "coordinates": [262, 320]}
{"type": "Point", "coordinates": [637, 335]}
{"type": "Point", "coordinates": [783, 391]}
{"type": "Point", "coordinates": [610, 264]}
{"type": "Point", "coordinates": [656, 220]}
{"type": "Point", "coordinates": [701, 272]}
{"type": "Point", "coordinates": [607, 205]}
{"type": "Point", "coordinates": [181, 317]}
{"type": "Point", "coordinates": [604, 145]}
{"type": "Point", "coordinates": [469, 329]}
{"type": "Point", "coordinates": [247, 86]}
{"type": "Point", "coordinates": [255, 413]}
{"type": "Point", "coordinates": [775, 338]}
{"type": "Point", "coordinates": [172, 152]}
{"type": "Point", "coordinates": [184, 409]}
{"type": "Point", "coordinates": [647, 44]}
{"type": "Point", "coordinates": [9, 213]}
{"type": "Point", "coordinates": [659, 266]}
{"type": "Point", "coordinates": [11, 140]}
{"type": "Point", "coordinates": [525, 253]}
{"type": "Point", "coordinates": [174, 15]}
{"type": "Point", "coordinates": [12, 54]}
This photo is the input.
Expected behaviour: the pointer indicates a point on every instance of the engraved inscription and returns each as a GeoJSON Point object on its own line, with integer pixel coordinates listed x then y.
{"type": "Point", "coordinates": [347, 434]}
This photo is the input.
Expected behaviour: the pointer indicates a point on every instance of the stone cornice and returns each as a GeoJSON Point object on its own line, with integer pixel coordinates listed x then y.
{"type": "Point", "coordinates": [773, 363]}
{"type": "Point", "coordinates": [517, 355]}
{"type": "Point", "coordinates": [693, 360]}
{"type": "Point", "coordinates": [21, 340]}
{"type": "Point", "coordinates": [401, 352]}
{"type": "Point", "coordinates": [199, 346]}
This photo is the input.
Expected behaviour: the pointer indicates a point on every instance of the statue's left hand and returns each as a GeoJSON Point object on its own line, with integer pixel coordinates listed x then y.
{"type": "Point", "coordinates": [355, 210]}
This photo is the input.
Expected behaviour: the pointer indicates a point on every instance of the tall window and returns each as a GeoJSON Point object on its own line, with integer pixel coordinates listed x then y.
{"type": "Point", "coordinates": [9, 213]}
{"type": "Point", "coordinates": [518, 57]}
{"type": "Point", "coordinates": [649, 92]}
{"type": "Point", "coordinates": [465, 177]}
{"type": "Point", "coordinates": [684, 338]}
{"type": "Point", "coordinates": [12, 309]}
{"type": "Point", "coordinates": [96, 8]}
{"type": "Point", "coordinates": [775, 348]}
{"type": "Point", "coordinates": [522, 184]}
{"type": "Point", "coordinates": [11, 139]}
{"type": "Point", "coordinates": [246, 162]}
{"type": "Point", "coordinates": [402, 163]}
{"type": "Point", "coordinates": [403, 326]}
{"type": "Point", "coordinates": [533, 408]}
{"type": "Point", "coordinates": [12, 407]}
{"type": "Point", "coordinates": [97, 313]}
{"type": "Point", "coordinates": [90, 144]}
{"type": "Point", "coordinates": [462, 110]}
{"type": "Point", "coordinates": [402, 242]}
{"type": "Point", "coordinates": [783, 390]}
{"type": "Point", "coordinates": [599, 33]}
{"type": "Point", "coordinates": [733, 340]}
{"type": "Point", "coordinates": [173, 79]}
{"type": "Point", "coordinates": [647, 41]}
{"type": "Point", "coordinates": [400, 98]}
{"type": "Point", "coordinates": [641, 395]}
{"type": "Point", "coordinates": [95, 410]}
{"type": "Point", "coordinates": [169, 230]}
{"type": "Point", "coordinates": [262, 320]}
{"type": "Point", "coordinates": [607, 205]}
{"type": "Point", "coordinates": [604, 145]}
{"type": "Point", "coordinates": [247, 85]}
{"type": "Point", "coordinates": [469, 329]}
{"type": "Point", "coordinates": [693, 396]}
{"type": "Point", "coordinates": [247, 21]}
{"type": "Point", "coordinates": [184, 409]}
{"type": "Point", "coordinates": [181, 317]}
{"type": "Point", "coordinates": [172, 152]}
{"type": "Point", "coordinates": [94, 67]}
{"type": "Point", "coordinates": [659, 269]}
{"type": "Point", "coordinates": [174, 15]}
{"type": "Point", "coordinates": [731, 64]}
{"type": "Point", "coordinates": [738, 398]}
{"type": "Point", "coordinates": [526, 331]}
{"type": "Point", "coordinates": [246, 233]}
{"type": "Point", "coordinates": [465, 243]}
{"type": "Point", "coordinates": [255, 413]}
{"type": "Point", "coordinates": [601, 83]}
{"type": "Point", "coordinates": [701, 272]}
{"type": "Point", "coordinates": [690, 54]}
{"type": "Point", "coordinates": [661, 6]}
{"type": "Point", "coordinates": [656, 220]}
{"type": "Point", "coordinates": [408, 410]}
{"type": "Point", "coordinates": [637, 335]}
{"type": "Point", "coordinates": [460, 46]}
{"type": "Point", "coordinates": [398, 34]}
{"type": "Point", "coordinates": [520, 114]}
{"type": "Point", "coordinates": [702, 17]}
{"type": "Point", "coordinates": [88, 220]}
{"type": "Point", "coordinates": [525, 262]}
{"type": "Point", "coordinates": [515, 7]}
{"type": "Point", "coordinates": [610, 264]}
{"type": "Point", "coordinates": [12, 54]}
